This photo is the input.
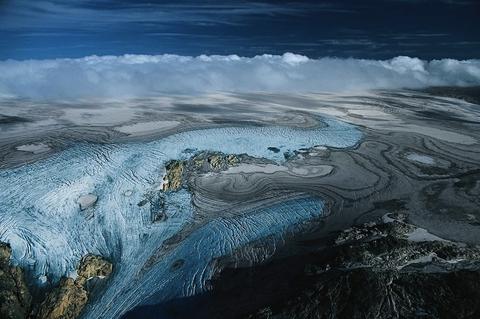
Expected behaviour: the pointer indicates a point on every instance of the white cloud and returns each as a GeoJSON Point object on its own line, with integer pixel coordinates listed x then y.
{"type": "Point", "coordinates": [145, 75]}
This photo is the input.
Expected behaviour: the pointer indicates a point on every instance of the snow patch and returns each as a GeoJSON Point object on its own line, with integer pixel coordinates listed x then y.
{"type": "Point", "coordinates": [35, 148]}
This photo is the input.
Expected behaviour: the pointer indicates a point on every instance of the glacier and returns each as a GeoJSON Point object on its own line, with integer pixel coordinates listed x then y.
{"type": "Point", "coordinates": [41, 219]}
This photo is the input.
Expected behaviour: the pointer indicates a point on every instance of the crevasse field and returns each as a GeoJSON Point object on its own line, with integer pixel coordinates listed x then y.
{"type": "Point", "coordinates": [49, 233]}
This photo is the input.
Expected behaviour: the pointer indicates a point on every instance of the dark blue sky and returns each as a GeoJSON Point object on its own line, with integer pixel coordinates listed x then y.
{"type": "Point", "coordinates": [361, 29]}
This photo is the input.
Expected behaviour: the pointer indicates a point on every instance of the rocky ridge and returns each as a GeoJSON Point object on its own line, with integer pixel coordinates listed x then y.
{"type": "Point", "coordinates": [65, 301]}
{"type": "Point", "coordinates": [70, 297]}
{"type": "Point", "coordinates": [202, 162]}
{"type": "Point", "coordinates": [15, 298]}
{"type": "Point", "coordinates": [384, 269]}
{"type": "Point", "coordinates": [389, 269]}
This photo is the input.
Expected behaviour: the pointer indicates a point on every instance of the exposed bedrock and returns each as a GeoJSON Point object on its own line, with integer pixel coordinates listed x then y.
{"type": "Point", "coordinates": [173, 176]}
{"type": "Point", "coordinates": [65, 301]}
{"type": "Point", "coordinates": [68, 299]}
{"type": "Point", "coordinates": [202, 162]}
{"type": "Point", "coordinates": [389, 269]}
{"type": "Point", "coordinates": [176, 176]}
{"type": "Point", "coordinates": [15, 299]}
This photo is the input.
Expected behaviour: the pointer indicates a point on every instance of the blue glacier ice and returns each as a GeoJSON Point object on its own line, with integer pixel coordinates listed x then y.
{"type": "Point", "coordinates": [41, 219]}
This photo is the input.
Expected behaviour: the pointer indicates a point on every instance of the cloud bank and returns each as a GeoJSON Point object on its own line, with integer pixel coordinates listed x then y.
{"type": "Point", "coordinates": [145, 75]}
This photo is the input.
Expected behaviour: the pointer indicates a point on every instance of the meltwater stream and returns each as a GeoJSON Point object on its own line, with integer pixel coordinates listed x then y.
{"type": "Point", "coordinates": [41, 219]}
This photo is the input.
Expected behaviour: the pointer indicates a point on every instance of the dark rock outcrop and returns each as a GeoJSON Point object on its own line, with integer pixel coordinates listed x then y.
{"type": "Point", "coordinates": [70, 297]}
{"type": "Point", "coordinates": [92, 266]}
{"type": "Point", "coordinates": [388, 269]}
{"type": "Point", "coordinates": [173, 177]}
{"type": "Point", "coordinates": [214, 161]}
{"type": "Point", "coordinates": [15, 299]}
{"type": "Point", "coordinates": [66, 301]}
{"type": "Point", "coordinates": [177, 171]}
{"type": "Point", "coordinates": [364, 293]}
